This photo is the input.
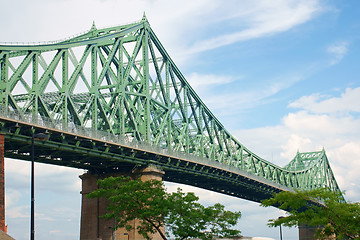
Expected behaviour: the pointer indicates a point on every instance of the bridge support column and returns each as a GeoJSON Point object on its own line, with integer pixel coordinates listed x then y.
{"type": "Point", "coordinates": [307, 232]}
{"type": "Point", "coordinates": [91, 226]}
{"type": "Point", "coordinates": [2, 183]}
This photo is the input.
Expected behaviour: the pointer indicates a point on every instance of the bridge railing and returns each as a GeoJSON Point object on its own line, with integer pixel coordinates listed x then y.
{"type": "Point", "coordinates": [126, 141]}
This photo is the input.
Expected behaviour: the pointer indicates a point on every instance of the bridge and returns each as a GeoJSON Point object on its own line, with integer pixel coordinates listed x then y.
{"type": "Point", "coordinates": [113, 101]}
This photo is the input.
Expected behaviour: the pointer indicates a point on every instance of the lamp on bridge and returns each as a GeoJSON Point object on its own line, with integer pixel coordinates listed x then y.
{"type": "Point", "coordinates": [280, 228]}
{"type": "Point", "coordinates": [41, 137]}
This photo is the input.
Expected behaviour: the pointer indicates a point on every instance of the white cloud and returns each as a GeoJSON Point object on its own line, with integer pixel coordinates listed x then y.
{"type": "Point", "coordinates": [43, 217]}
{"type": "Point", "coordinates": [12, 197]}
{"type": "Point", "coordinates": [264, 18]}
{"type": "Point", "coordinates": [316, 103]}
{"type": "Point", "coordinates": [347, 166]}
{"type": "Point", "coordinates": [246, 98]}
{"type": "Point", "coordinates": [18, 212]}
{"type": "Point", "coordinates": [338, 51]}
{"type": "Point", "coordinates": [303, 122]}
{"type": "Point", "coordinates": [46, 176]}
{"type": "Point", "coordinates": [201, 81]}
{"type": "Point", "coordinates": [294, 143]}
{"type": "Point", "coordinates": [17, 166]}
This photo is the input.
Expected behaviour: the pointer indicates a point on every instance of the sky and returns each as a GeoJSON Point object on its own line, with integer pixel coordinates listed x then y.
{"type": "Point", "coordinates": [282, 76]}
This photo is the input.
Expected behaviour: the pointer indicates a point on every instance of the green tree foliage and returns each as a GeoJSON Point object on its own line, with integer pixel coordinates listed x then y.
{"type": "Point", "coordinates": [188, 218]}
{"type": "Point", "coordinates": [321, 208]}
{"type": "Point", "coordinates": [154, 208]}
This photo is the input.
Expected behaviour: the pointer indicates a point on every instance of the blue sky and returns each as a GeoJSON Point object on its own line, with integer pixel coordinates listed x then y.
{"type": "Point", "coordinates": [281, 75]}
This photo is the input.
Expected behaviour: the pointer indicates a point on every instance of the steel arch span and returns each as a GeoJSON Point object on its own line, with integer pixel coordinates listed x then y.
{"type": "Point", "coordinates": [116, 94]}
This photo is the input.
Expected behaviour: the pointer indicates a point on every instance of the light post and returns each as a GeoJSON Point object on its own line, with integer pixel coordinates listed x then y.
{"type": "Point", "coordinates": [127, 235]}
{"type": "Point", "coordinates": [32, 220]}
{"type": "Point", "coordinates": [39, 136]}
{"type": "Point", "coordinates": [280, 228]}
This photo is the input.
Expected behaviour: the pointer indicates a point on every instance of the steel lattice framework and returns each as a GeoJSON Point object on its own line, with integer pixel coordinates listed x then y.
{"type": "Point", "coordinates": [122, 81]}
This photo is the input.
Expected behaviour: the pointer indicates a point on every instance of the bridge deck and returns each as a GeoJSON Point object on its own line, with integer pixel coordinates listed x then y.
{"type": "Point", "coordinates": [102, 156]}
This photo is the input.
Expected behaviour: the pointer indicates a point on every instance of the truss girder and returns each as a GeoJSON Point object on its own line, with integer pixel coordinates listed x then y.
{"type": "Point", "coordinates": [121, 80]}
{"type": "Point", "coordinates": [313, 170]}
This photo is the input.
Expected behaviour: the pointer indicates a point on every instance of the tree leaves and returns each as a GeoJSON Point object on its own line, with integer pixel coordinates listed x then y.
{"type": "Point", "coordinates": [321, 208]}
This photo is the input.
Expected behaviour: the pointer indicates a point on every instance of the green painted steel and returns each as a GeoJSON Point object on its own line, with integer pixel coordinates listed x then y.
{"type": "Point", "coordinates": [121, 80]}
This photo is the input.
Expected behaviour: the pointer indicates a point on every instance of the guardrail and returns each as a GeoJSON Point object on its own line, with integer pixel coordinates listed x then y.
{"type": "Point", "coordinates": [130, 142]}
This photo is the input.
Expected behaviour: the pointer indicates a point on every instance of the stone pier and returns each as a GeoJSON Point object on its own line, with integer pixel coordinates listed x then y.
{"type": "Point", "coordinates": [91, 226]}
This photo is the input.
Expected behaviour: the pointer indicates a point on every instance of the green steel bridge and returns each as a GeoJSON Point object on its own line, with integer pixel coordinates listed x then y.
{"type": "Point", "coordinates": [112, 100]}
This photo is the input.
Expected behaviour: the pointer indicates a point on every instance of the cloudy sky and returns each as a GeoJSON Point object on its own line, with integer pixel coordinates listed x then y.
{"type": "Point", "coordinates": [281, 75]}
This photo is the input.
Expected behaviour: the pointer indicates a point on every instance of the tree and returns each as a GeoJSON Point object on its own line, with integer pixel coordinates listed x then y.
{"type": "Point", "coordinates": [154, 208]}
{"type": "Point", "coordinates": [320, 208]}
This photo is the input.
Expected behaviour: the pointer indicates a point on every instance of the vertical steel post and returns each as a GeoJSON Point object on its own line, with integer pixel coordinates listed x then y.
{"type": "Point", "coordinates": [280, 228]}
{"type": "Point", "coordinates": [2, 183]}
{"type": "Point", "coordinates": [32, 214]}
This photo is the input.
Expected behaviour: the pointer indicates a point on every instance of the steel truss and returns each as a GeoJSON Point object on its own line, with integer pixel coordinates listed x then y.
{"type": "Point", "coordinates": [121, 80]}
